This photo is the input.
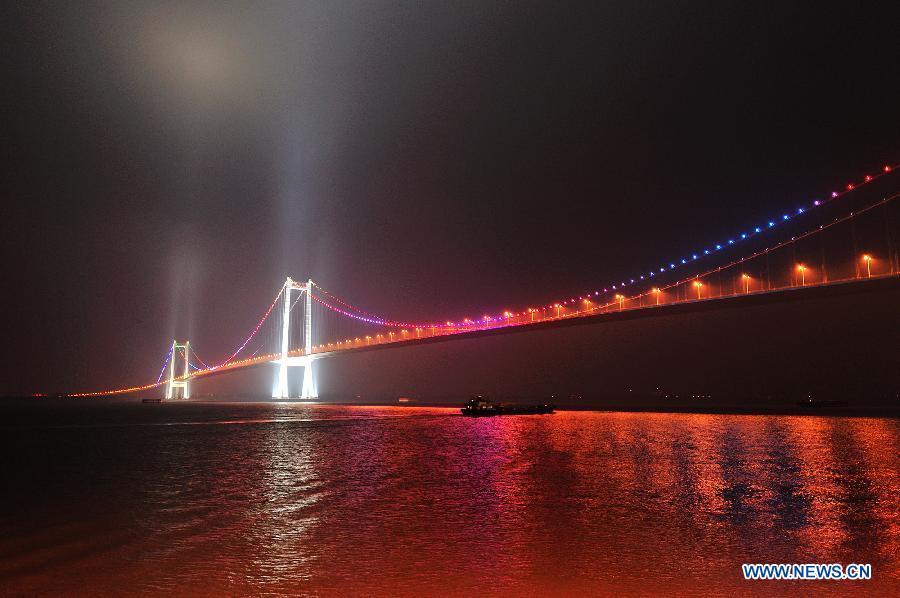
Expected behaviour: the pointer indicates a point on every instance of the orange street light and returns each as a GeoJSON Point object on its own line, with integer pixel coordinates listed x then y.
{"type": "Point", "coordinates": [699, 286]}
{"type": "Point", "coordinates": [621, 299]}
{"type": "Point", "coordinates": [746, 279]}
{"type": "Point", "coordinates": [802, 270]}
{"type": "Point", "coordinates": [587, 304]}
{"type": "Point", "coordinates": [868, 259]}
{"type": "Point", "coordinates": [558, 308]}
{"type": "Point", "coordinates": [657, 291]}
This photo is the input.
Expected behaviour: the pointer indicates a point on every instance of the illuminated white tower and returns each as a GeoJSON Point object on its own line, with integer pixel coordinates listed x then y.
{"type": "Point", "coordinates": [308, 390]}
{"type": "Point", "coordinates": [280, 390]}
{"type": "Point", "coordinates": [183, 381]}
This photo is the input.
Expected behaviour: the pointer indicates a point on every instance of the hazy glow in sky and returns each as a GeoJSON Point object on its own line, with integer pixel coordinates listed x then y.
{"type": "Point", "coordinates": [177, 160]}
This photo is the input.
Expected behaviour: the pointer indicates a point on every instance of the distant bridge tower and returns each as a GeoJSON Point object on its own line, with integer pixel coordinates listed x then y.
{"type": "Point", "coordinates": [183, 382]}
{"type": "Point", "coordinates": [308, 390]}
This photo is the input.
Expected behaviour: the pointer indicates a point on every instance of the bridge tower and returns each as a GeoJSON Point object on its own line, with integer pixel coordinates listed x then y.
{"type": "Point", "coordinates": [308, 389]}
{"type": "Point", "coordinates": [183, 382]}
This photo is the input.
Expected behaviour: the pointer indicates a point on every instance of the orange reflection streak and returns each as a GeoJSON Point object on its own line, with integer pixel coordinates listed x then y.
{"type": "Point", "coordinates": [810, 436]}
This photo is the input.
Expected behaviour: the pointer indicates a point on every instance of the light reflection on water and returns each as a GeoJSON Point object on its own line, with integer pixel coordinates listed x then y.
{"type": "Point", "coordinates": [329, 500]}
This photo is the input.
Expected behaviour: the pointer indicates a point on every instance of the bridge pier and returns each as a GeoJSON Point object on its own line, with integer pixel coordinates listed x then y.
{"type": "Point", "coordinates": [308, 390]}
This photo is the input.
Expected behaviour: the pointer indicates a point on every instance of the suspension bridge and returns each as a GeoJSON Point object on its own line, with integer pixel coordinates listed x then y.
{"type": "Point", "coordinates": [841, 242]}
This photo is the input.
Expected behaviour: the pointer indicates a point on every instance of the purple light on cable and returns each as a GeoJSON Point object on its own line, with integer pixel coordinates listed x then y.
{"type": "Point", "coordinates": [165, 363]}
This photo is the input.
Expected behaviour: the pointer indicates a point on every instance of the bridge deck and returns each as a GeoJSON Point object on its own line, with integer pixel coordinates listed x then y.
{"type": "Point", "coordinates": [757, 298]}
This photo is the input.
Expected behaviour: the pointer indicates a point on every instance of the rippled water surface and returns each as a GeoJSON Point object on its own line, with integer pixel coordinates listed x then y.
{"type": "Point", "coordinates": [235, 498]}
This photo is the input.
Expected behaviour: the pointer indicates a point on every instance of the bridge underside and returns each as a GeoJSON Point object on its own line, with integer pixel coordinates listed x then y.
{"type": "Point", "coordinates": [835, 342]}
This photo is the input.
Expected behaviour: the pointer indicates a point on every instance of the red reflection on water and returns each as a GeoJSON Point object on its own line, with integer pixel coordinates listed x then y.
{"type": "Point", "coordinates": [411, 501]}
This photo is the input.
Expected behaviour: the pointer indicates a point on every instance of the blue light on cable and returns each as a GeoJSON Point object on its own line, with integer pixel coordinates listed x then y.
{"type": "Point", "coordinates": [743, 236]}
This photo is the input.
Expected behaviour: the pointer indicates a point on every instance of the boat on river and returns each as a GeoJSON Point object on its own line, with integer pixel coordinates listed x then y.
{"type": "Point", "coordinates": [480, 407]}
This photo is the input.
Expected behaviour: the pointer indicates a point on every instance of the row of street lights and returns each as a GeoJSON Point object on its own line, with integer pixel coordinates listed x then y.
{"type": "Point", "coordinates": [620, 298]}
{"type": "Point", "coordinates": [866, 258]}
{"type": "Point", "coordinates": [745, 278]}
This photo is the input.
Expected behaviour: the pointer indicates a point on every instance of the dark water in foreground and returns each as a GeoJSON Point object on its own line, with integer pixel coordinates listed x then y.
{"type": "Point", "coordinates": [232, 499]}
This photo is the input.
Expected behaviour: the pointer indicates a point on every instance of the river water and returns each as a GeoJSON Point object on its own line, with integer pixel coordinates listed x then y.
{"type": "Point", "coordinates": [251, 498]}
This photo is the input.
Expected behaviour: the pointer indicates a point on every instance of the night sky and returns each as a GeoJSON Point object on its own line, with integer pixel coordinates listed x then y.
{"type": "Point", "coordinates": [166, 165]}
